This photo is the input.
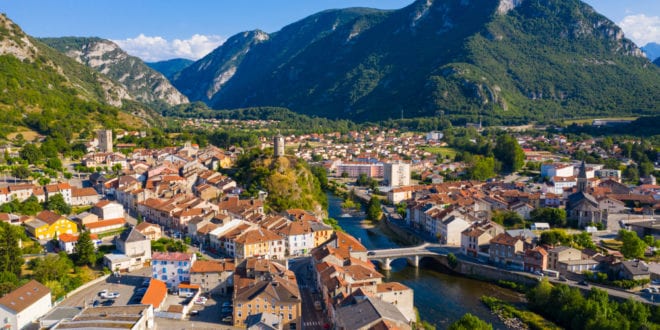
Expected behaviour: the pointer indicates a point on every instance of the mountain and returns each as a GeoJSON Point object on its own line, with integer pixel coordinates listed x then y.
{"type": "Point", "coordinates": [506, 61]}
{"type": "Point", "coordinates": [171, 67]}
{"type": "Point", "coordinates": [52, 94]}
{"type": "Point", "coordinates": [142, 82]}
{"type": "Point", "coordinates": [652, 50]}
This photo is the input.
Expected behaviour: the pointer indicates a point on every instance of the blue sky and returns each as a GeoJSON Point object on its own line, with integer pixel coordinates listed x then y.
{"type": "Point", "coordinates": [161, 29]}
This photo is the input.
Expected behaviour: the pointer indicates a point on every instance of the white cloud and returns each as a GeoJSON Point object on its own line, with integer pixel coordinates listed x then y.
{"type": "Point", "coordinates": [641, 29]}
{"type": "Point", "coordinates": [152, 49]}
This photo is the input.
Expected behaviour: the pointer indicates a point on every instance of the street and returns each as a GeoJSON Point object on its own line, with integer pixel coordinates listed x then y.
{"type": "Point", "coordinates": [311, 318]}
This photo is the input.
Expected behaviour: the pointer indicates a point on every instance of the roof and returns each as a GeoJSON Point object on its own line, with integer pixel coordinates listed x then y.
{"type": "Point", "coordinates": [133, 235]}
{"type": "Point", "coordinates": [105, 223]}
{"type": "Point", "coordinates": [83, 192]}
{"type": "Point", "coordinates": [214, 266]}
{"type": "Point", "coordinates": [505, 239]}
{"type": "Point", "coordinates": [263, 321]}
{"type": "Point", "coordinates": [145, 225]}
{"type": "Point", "coordinates": [155, 294]}
{"type": "Point", "coordinates": [110, 317]}
{"type": "Point", "coordinates": [391, 286]}
{"type": "Point", "coordinates": [23, 297]}
{"type": "Point", "coordinates": [61, 313]}
{"type": "Point", "coordinates": [172, 256]}
{"type": "Point", "coordinates": [367, 311]}
{"type": "Point", "coordinates": [49, 217]}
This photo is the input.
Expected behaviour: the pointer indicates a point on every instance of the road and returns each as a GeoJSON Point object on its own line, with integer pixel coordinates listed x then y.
{"type": "Point", "coordinates": [311, 318]}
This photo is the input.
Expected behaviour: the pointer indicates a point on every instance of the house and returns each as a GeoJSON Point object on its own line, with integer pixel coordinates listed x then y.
{"type": "Point", "coordinates": [129, 317]}
{"type": "Point", "coordinates": [214, 276]}
{"type": "Point", "coordinates": [49, 225]}
{"type": "Point", "coordinates": [577, 266]}
{"type": "Point", "coordinates": [133, 251]}
{"type": "Point", "coordinates": [322, 232]}
{"type": "Point", "coordinates": [262, 285]}
{"type": "Point", "coordinates": [536, 259]}
{"type": "Point", "coordinates": [633, 270]}
{"type": "Point", "coordinates": [451, 229]}
{"type": "Point", "coordinates": [259, 242]}
{"type": "Point", "coordinates": [151, 230]}
{"type": "Point", "coordinates": [84, 218]}
{"type": "Point", "coordinates": [106, 209]}
{"type": "Point", "coordinates": [155, 295]}
{"type": "Point", "coordinates": [61, 188]}
{"type": "Point", "coordinates": [540, 226]}
{"type": "Point", "coordinates": [264, 321]}
{"type": "Point", "coordinates": [24, 305]}
{"type": "Point", "coordinates": [398, 295]}
{"type": "Point", "coordinates": [369, 313]}
{"type": "Point", "coordinates": [172, 267]}
{"type": "Point", "coordinates": [476, 238]}
{"type": "Point", "coordinates": [562, 254]}
{"type": "Point", "coordinates": [299, 237]}
{"type": "Point", "coordinates": [106, 225]}
{"type": "Point", "coordinates": [84, 196]}
{"type": "Point", "coordinates": [67, 242]}
{"type": "Point", "coordinates": [507, 249]}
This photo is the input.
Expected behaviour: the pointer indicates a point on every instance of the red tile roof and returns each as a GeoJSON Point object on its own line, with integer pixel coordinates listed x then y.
{"type": "Point", "coordinates": [156, 293]}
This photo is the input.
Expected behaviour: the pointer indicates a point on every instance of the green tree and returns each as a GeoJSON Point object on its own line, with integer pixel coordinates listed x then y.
{"type": "Point", "coordinates": [509, 153]}
{"type": "Point", "coordinates": [374, 211]}
{"type": "Point", "coordinates": [31, 206]}
{"type": "Point", "coordinates": [20, 172]}
{"type": "Point", "coordinates": [470, 322]}
{"type": "Point", "coordinates": [84, 252]}
{"type": "Point", "coordinates": [482, 168]}
{"type": "Point", "coordinates": [633, 246]}
{"type": "Point", "coordinates": [31, 153]}
{"type": "Point", "coordinates": [11, 258]}
{"type": "Point", "coordinates": [555, 237]}
{"type": "Point", "coordinates": [53, 267]}
{"type": "Point", "coordinates": [57, 204]}
{"type": "Point", "coordinates": [54, 163]}
{"type": "Point", "coordinates": [554, 216]}
{"type": "Point", "coordinates": [508, 219]}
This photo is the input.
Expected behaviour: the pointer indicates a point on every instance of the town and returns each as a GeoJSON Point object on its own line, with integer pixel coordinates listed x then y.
{"type": "Point", "coordinates": [177, 240]}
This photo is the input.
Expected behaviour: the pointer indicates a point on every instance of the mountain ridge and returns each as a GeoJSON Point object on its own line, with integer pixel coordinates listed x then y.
{"type": "Point", "coordinates": [142, 82]}
{"type": "Point", "coordinates": [506, 61]}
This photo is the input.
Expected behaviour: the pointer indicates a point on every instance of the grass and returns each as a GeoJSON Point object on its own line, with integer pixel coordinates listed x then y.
{"type": "Point", "coordinates": [532, 320]}
{"type": "Point", "coordinates": [612, 244]}
{"type": "Point", "coordinates": [441, 151]}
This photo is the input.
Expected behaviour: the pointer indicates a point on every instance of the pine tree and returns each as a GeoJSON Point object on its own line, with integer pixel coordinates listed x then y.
{"type": "Point", "coordinates": [10, 254]}
{"type": "Point", "coordinates": [84, 250]}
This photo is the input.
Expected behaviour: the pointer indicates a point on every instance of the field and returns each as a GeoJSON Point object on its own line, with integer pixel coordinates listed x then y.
{"type": "Point", "coordinates": [441, 151]}
{"type": "Point", "coordinates": [590, 120]}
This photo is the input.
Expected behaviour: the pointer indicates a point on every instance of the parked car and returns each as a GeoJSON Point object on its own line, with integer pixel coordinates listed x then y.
{"type": "Point", "coordinates": [95, 303]}
{"type": "Point", "coordinates": [226, 304]}
{"type": "Point", "coordinates": [110, 295]}
{"type": "Point", "coordinates": [200, 301]}
{"type": "Point", "coordinates": [146, 282]}
{"type": "Point", "coordinates": [228, 319]}
{"type": "Point", "coordinates": [103, 292]}
{"type": "Point", "coordinates": [141, 290]}
{"type": "Point", "coordinates": [194, 313]}
{"type": "Point", "coordinates": [109, 302]}
{"type": "Point", "coordinates": [227, 310]}
{"type": "Point", "coordinates": [583, 282]}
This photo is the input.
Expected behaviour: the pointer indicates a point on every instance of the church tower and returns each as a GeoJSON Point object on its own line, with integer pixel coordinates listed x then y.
{"type": "Point", "coordinates": [582, 182]}
{"type": "Point", "coordinates": [278, 145]}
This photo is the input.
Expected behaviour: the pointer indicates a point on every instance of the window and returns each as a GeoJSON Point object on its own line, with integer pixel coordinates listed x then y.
{"type": "Point", "coordinates": [290, 316]}
{"type": "Point", "coordinates": [164, 270]}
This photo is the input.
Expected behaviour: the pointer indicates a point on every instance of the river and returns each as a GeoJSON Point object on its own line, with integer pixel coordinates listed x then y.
{"type": "Point", "coordinates": [440, 298]}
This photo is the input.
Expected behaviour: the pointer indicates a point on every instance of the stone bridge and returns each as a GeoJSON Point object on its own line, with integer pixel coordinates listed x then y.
{"type": "Point", "coordinates": [413, 254]}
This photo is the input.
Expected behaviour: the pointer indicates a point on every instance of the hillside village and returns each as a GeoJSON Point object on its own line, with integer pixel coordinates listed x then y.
{"type": "Point", "coordinates": [239, 251]}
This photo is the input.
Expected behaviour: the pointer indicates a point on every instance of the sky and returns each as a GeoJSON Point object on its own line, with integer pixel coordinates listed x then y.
{"type": "Point", "coordinates": [162, 29]}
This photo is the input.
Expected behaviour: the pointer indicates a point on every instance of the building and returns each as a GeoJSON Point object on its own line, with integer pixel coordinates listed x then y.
{"type": "Point", "coordinates": [557, 170]}
{"type": "Point", "coordinates": [536, 259]}
{"type": "Point", "coordinates": [398, 295]}
{"type": "Point", "coordinates": [24, 305]}
{"type": "Point", "coordinates": [562, 254]}
{"type": "Point", "coordinates": [151, 230]}
{"type": "Point", "coordinates": [367, 313]}
{"type": "Point", "coordinates": [172, 267]}
{"type": "Point", "coordinates": [133, 251]}
{"type": "Point", "coordinates": [355, 169]}
{"type": "Point", "coordinates": [476, 238]}
{"type": "Point", "coordinates": [214, 276]}
{"type": "Point", "coordinates": [106, 209]}
{"type": "Point", "coordinates": [104, 137]}
{"type": "Point", "coordinates": [397, 174]}
{"type": "Point", "coordinates": [128, 317]}
{"type": "Point", "coordinates": [67, 242]}
{"type": "Point", "coordinates": [507, 249]}
{"type": "Point", "coordinates": [278, 146]}
{"type": "Point", "coordinates": [581, 205]}
{"type": "Point", "coordinates": [107, 225]}
{"type": "Point", "coordinates": [49, 225]}
{"type": "Point", "coordinates": [260, 242]}
{"type": "Point", "coordinates": [264, 286]}
{"type": "Point", "coordinates": [84, 196]}
{"type": "Point", "coordinates": [155, 295]}
{"type": "Point", "coordinates": [451, 229]}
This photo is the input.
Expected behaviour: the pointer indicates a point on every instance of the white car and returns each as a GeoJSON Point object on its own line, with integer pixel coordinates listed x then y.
{"type": "Point", "coordinates": [110, 295]}
{"type": "Point", "coordinates": [200, 301]}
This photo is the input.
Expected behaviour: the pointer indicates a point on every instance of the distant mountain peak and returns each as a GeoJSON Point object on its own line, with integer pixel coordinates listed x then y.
{"type": "Point", "coordinates": [13, 41]}
{"type": "Point", "coordinates": [507, 5]}
{"type": "Point", "coordinates": [145, 84]}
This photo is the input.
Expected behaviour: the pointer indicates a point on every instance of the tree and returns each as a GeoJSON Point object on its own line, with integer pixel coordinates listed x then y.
{"type": "Point", "coordinates": [554, 216]}
{"type": "Point", "coordinates": [482, 168]}
{"type": "Point", "coordinates": [633, 246]}
{"type": "Point", "coordinates": [54, 163]}
{"type": "Point", "coordinates": [20, 172]}
{"type": "Point", "coordinates": [509, 219]}
{"type": "Point", "coordinates": [84, 251]}
{"type": "Point", "coordinates": [11, 258]}
{"type": "Point", "coordinates": [554, 237]}
{"type": "Point", "coordinates": [373, 209]}
{"type": "Point", "coordinates": [509, 153]}
{"type": "Point", "coordinates": [31, 206]}
{"type": "Point", "coordinates": [470, 322]}
{"type": "Point", "coordinates": [57, 204]}
{"type": "Point", "coordinates": [31, 153]}
{"type": "Point", "coordinates": [53, 267]}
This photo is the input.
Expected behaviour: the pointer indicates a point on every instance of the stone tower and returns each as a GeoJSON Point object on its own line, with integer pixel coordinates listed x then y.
{"type": "Point", "coordinates": [278, 145]}
{"type": "Point", "coordinates": [105, 140]}
{"type": "Point", "coordinates": [582, 182]}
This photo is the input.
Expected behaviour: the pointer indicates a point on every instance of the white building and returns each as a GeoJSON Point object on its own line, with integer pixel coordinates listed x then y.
{"type": "Point", "coordinates": [299, 238]}
{"type": "Point", "coordinates": [397, 174]}
{"type": "Point", "coordinates": [24, 305]}
{"type": "Point", "coordinates": [172, 267]}
{"type": "Point", "coordinates": [451, 228]}
{"type": "Point", "coordinates": [559, 170]}
{"type": "Point", "coordinates": [106, 209]}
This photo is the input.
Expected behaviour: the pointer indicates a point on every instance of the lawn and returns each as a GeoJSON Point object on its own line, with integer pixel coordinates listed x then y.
{"type": "Point", "coordinates": [442, 151]}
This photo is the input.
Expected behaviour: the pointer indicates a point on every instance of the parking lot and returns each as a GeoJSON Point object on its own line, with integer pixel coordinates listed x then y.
{"type": "Point", "coordinates": [125, 285]}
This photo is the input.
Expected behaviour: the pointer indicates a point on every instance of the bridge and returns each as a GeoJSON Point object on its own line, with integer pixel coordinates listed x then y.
{"type": "Point", "coordinates": [413, 254]}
